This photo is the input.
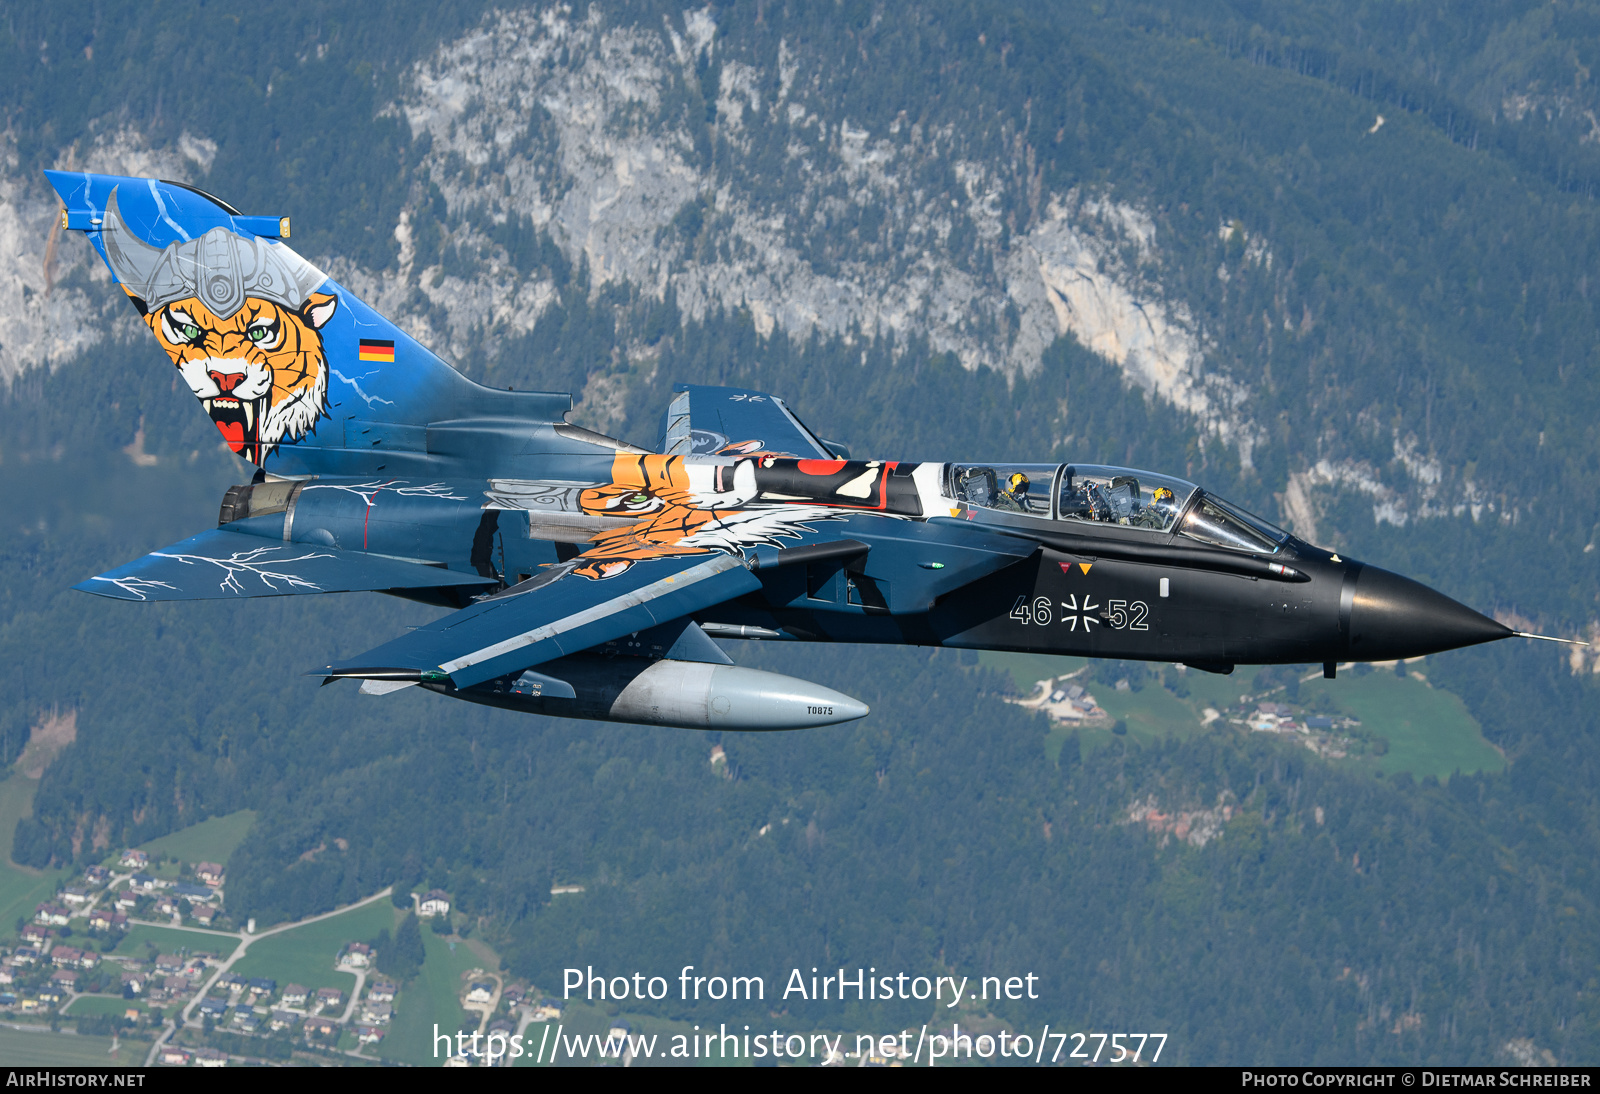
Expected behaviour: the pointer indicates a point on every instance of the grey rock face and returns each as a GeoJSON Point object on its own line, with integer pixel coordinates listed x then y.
{"type": "Point", "coordinates": [578, 126]}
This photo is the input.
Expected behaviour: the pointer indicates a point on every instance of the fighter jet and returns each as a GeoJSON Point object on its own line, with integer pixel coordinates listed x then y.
{"type": "Point", "coordinates": [587, 576]}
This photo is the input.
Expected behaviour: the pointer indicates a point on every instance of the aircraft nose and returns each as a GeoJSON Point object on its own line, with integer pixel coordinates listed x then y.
{"type": "Point", "coordinates": [1390, 616]}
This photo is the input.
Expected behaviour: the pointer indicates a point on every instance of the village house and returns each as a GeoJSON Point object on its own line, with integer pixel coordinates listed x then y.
{"type": "Point", "coordinates": [100, 919]}
{"type": "Point", "coordinates": [35, 935]}
{"type": "Point", "coordinates": [132, 982]}
{"type": "Point", "coordinates": [210, 1057]}
{"type": "Point", "coordinates": [169, 964]}
{"type": "Point", "coordinates": [24, 955]}
{"type": "Point", "coordinates": [127, 900]}
{"type": "Point", "coordinates": [329, 997]}
{"type": "Point", "coordinates": [76, 895]}
{"type": "Point", "coordinates": [136, 860]}
{"type": "Point", "coordinates": [368, 1035]}
{"type": "Point", "coordinates": [194, 894]}
{"type": "Point", "coordinates": [97, 875]}
{"type": "Point", "coordinates": [295, 995]}
{"type": "Point", "coordinates": [281, 1020]}
{"type": "Point", "coordinates": [8, 973]}
{"type": "Point", "coordinates": [174, 1055]}
{"type": "Point", "coordinates": [65, 978]}
{"type": "Point", "coordinates": [381, 992]}
{"type": "Point", "coordinates": [166, 905]}
{"type": "Point", "coordinates": [321, 1027]}
{"type": "Point", "coordinates": [51, 915]}
{"type": "Point", "coordinates": [145, 883]}
{"type": "Point", "coordinates": [204, 915]}
{"type": "Point", "coordinates": [546, 1010]}
{"type": "Point", "coordinates": [209, 872]}
{"type": "Point", "coordinates": [480, 991]}
{"type": "Point", "coordinates": [213, 1006]}
{"type": "Point", "coordinates": [358, 955]}
{"type": "Point", "coordinates": [261, 987]}
{"type": "Point", "coordinates": [435, 902]}
{"type": "Point", "coordinates": [377, 1014]}
{"type": "Point", "coordinates": [175, 986]}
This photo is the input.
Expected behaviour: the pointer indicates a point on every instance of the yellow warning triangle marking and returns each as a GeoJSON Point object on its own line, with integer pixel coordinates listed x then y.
{"type": "Point", "coordinates": [1084, 566]}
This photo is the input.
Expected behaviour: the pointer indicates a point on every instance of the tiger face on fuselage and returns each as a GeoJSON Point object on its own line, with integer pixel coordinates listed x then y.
{"type": "Point", "coordinates": [261, 374]}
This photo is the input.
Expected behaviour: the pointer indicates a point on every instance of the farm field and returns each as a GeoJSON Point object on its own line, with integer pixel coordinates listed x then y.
{"type": "Point", "coordinates": [170, 939]}
{"type": "Point", "coordinates": [20, 888]}
{"type": "Point", "coordinates": [434, 997]}
{"type": "Point", "coordinates": [44, 1049]}
{"type": "Point", "coordinates": [211, 840]}
{"type": "Point", "coordinates": [304, 955]}
{"type": "Point", "coordinates": [1428, 730]}
{"type": "Point", "coordinates": [88, 1005]}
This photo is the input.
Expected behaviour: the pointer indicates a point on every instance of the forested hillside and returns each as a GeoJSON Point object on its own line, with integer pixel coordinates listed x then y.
{"type": "Point", "coordinates": [1330, 260]}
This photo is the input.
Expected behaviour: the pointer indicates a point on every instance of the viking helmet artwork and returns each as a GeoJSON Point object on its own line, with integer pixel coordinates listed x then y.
{"type": "Point", "coordinates": [220, 268]}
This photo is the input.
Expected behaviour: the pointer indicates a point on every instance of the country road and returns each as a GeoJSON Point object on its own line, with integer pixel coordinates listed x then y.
{"type": "Point", "coordinates": [245, 942]}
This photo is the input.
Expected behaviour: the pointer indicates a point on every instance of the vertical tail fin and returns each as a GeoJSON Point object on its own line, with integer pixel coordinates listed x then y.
{"type": "Point", "coordinates": [281, 357]}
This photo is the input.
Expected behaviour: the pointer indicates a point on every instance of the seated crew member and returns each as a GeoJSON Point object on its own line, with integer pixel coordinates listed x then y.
{"type": "Point", "coordinates": [1159, 513]}
{"type": "Point", "coordinates": [1014, 498]}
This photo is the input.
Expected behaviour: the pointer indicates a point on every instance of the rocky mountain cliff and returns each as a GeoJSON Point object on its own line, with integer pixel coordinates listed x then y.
{"type": "Point", "coordinates": [958, 184]}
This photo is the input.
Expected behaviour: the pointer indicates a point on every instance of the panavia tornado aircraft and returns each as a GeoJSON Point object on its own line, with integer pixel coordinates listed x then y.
{"type": "Point", "coordinates": [588, 576]}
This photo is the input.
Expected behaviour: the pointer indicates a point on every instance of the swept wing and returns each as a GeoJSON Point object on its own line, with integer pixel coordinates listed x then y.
{"type": "Point", "coordinates": [551, 616]}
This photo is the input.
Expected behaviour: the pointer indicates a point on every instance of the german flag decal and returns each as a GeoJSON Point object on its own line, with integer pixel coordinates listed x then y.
{"type": "Point", "coordinates": [376, 349]}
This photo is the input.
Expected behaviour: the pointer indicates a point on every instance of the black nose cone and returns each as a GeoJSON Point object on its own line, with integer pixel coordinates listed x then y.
{"type": "Point", "coordinates": [1390, 616]}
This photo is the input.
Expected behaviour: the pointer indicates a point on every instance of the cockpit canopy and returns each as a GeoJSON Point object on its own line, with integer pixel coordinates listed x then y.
{"type": "Point", "coordinates": [1093, 494]}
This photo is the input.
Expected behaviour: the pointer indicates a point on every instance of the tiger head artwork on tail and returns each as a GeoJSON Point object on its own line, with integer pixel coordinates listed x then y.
{"type": "Point", "coordinates": [240, 320]}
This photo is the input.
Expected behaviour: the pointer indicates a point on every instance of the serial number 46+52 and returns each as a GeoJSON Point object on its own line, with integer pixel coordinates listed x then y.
{"type": "Point", "coordinates": [1082, 614]}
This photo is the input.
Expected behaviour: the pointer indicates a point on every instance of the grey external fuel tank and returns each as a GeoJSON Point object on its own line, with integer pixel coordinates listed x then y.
{"type": "Point", "coordinates": [680, 694]}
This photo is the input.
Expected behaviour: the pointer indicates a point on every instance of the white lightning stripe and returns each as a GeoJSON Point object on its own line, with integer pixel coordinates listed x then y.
{"type": "Point", "coordinates": [650, 592]}
{"type": "Point", "coordinates": [249, 562]}
{"type": "Point", "coordinates": [162, 206]}
{"type": "Point", "coordinates": [370, 399]}
{"type": "Point", "coordinates": [133, 585]}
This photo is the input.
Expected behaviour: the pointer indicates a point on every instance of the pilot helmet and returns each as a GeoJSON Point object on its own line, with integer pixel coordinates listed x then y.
{"type": "Point", "coordinates": [1162, 498]}
{"type": "Point", "coordinates": [1017, 483]}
